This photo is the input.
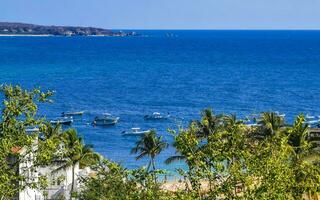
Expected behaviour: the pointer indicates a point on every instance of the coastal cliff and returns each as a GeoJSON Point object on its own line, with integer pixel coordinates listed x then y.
{"type": "Point", "coordinates": [7, 28]}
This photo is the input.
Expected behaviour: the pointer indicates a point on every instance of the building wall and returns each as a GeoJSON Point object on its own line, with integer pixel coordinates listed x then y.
{"type": "Point", "coordinates": [31, 176]}
{"type": "Point", "coordinates": [60, 181]}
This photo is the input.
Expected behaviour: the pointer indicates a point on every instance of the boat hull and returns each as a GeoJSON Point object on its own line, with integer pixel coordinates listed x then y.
{"type": "Point", "coordinates": [155, 118]}
{"type": "Point", "coordinates": [70, 114]}
{"type": "Point", "coordinates": [135, 133]}
{"type": "Point", "coordinates": [67, 123]}
{"type": "Point", "coordinates": [105, 122]}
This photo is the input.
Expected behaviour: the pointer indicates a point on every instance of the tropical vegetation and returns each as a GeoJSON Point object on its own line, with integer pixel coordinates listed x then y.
{"type": "Point", "coordinates": [225, 158]}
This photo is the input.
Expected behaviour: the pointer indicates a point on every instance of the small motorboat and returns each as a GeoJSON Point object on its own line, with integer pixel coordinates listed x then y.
{"type": "Point", "coordinates": [105, 119]}
{"type": "Point", "coordinates": [282, 115]}
{"type": "Point", "coordinates": [252, 125]}
{"type": "Point", "coordinates": [62, 120]}
{"type": "Point", "coordinates": [32, 129]}
{"type": "Point", "coordinates": [156, 116]}
{"type": "Point", "coordinates": [251, 119]}
{"type": "Point", "coordinates": [71, 114]}
{"type": "Point", "coordinates": [312, 122]}
{"type": "Point", "coordinates": [309, 117]}
{"type": "Point", "coordinates": [135, 131]}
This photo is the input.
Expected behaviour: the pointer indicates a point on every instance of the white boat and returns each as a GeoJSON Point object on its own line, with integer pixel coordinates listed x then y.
{"type": "Point", "coordinates": [135, 131]}
{"type": "Point", "coordinates": [32, 129]}
{"type": "Point", "coordinates": [105, 119]}
{"type": "Point", "coordinates": [252, 125]}
{"type": "Point", "coordinates": [62, 120]}
{"type": "Point", "coordinates": [279, 114]}
{"type": "Point", "coordinates": [156, 116]}
{"type": "Point", "coordinates": [313, 121]}
{"type": "Point", "coordinates": [70, 114]}
{"type": "Point", "coordinates": [309, 117]}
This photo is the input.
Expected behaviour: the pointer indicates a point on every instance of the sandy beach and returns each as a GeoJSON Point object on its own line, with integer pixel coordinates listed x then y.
{"type": "Point", "coordinates": [181, 185]}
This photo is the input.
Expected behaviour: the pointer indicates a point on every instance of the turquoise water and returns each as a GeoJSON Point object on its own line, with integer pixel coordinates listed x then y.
{"type": "Point", "coordinates": [231, 71]}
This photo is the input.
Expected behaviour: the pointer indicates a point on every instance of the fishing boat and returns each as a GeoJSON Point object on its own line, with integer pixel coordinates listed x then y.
{"type": "Point", "coordinates": [32, 129]}
{"type": "Point", "coordinates": [282, 115]}
{"type": "Point", "coordinates": [309, 117]}
{"type": "Point", "coordinates": [135, 131]}
{"type": "Point", "coordinates": [71, 114]}
{"type": "Point", "coordinates": [252, 124]}
{"type": "Point", "coordinates": [105, 119]}
{"type": "Point", "coordinates": [313, 123]}
{"type": "Point", "coordinates": [156, 116]}
{"type": "Point", "coordinates": [62, 120]}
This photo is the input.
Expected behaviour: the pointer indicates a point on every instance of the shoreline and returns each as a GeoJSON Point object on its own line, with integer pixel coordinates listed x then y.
{"type": "Point", "coordinates": [177, 185]}
{"type": "Point", "coordinates": [48, 35]}
{"type": "Point", "coordinates": [24, 35]}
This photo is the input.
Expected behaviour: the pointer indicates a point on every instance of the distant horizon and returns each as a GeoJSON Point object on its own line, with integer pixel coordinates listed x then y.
{"type": "Point", "coordinates": [164, 29]}
{"type": "Point", "coordinates": [168, 14]}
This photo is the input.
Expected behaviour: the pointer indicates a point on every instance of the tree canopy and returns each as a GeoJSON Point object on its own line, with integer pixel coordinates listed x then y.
{"type": "Point", "coordinates": [225, 158]}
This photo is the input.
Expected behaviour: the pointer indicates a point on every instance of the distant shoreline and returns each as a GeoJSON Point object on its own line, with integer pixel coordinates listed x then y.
{"type": "Point", "coordinates": [48, 35]}
{"type": "Point", "coordinates": [32, 30]}
{"type": "Point", "coordinates": [22, 35]}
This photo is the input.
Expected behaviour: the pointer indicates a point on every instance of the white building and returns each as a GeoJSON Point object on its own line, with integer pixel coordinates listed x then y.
{"type": "Point", "coordinates": [59, 178]}
{"type": "Point", "coordinates": [31, 176]}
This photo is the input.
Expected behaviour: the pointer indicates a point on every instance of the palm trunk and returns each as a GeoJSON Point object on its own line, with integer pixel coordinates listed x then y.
{"type": "Point", "coordinates": [210, 184]}
{"type": "Point", "coordinates": [149, 165]}
{"type": "Point", "coordinates": [72, 184]}
{"type": "Point", "coordinates": [153, 164]}
{"type": "Point", "coordinates": [154, 168]}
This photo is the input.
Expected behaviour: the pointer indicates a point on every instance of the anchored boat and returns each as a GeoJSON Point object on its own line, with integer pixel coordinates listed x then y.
{"type": "Point", "coordinates": [312, 121]}
{"type": "Point", "coordinates": [310, 117]}
{"type": "Point", "coordinates": [32, 129]}
{"type": "Point", "coordinates": [71, 114]}
{"type": "Point", "coordinates": [135, 131]}
{"type": "Point", "coordinates": [62, 120]}
{"type": "Point", "coordinates": [105, 119]}
{"type": "Point", "coordinates": [156, 116]}
{"type": "Point", "coordinates": [282, 115]}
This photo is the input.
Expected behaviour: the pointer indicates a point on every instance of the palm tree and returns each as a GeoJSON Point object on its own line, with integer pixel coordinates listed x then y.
{"type": "Point", "coordinates": [76, 153]}
{"type": "Point", "coordinates": [149, 145]}
{"type": "Point", "coordinates": [269, 123]}
{"type": "Point", "coordinates": [230, 122]}
{"type": "Point", "coordinates": [209, 123]}
{"type": "Point", "coordinates": [51, 131]}
{"type": "Point", "coordinates": [177, 157]}
{"type": "Point", "coordinates": [297, 134]}
{"type": "Point", "coordinates": [305, 147]}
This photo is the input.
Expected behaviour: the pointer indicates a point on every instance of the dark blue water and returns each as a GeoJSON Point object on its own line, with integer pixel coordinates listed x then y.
{"type": "Point", "coordinates": [231, 71]}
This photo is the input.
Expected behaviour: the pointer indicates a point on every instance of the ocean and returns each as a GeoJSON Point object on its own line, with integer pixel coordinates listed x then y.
{"type": "Point", "coordinates": [175, 72]}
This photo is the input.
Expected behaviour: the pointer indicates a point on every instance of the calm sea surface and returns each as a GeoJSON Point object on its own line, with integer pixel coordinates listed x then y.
{"type": "Point", "coordinates": [239, 72]}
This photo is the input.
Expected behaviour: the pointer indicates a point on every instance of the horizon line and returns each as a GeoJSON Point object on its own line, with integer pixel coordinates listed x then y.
{"type": "Point", "coordinates": [160, 29]}
{"type": "Point", "coordinates": [179, 29]}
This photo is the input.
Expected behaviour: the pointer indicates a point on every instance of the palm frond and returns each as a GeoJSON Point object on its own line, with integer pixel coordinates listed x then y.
{"type": "Point", "coordinates": [174, 159]}
{"type": "Point", "coordinates": [141, 155]}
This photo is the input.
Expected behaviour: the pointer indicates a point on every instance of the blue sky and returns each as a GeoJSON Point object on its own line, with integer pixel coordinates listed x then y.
{"type": "Point", "coordinates": [166, 14]}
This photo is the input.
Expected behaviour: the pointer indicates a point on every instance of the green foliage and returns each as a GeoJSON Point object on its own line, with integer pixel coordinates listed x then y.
{"type": "Point", "coordinates": [114, 182]}
{"type": "Point", "coordinates": [17, 147]}
{"type": "Point", "coordinates": [224, 154]}
{"type": "Point", "coordinates": [240, 162]}
{"type": "Point", "coordinates": [225, 159]}
{"type": "Point", "coordinates": [18, 112]}
{"type": "Point", "coordinates": [233, 160]}
{"type": "Point", "coordinates": [149, 145]}
{"type": "Point", "coordinates": [75, 152]}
